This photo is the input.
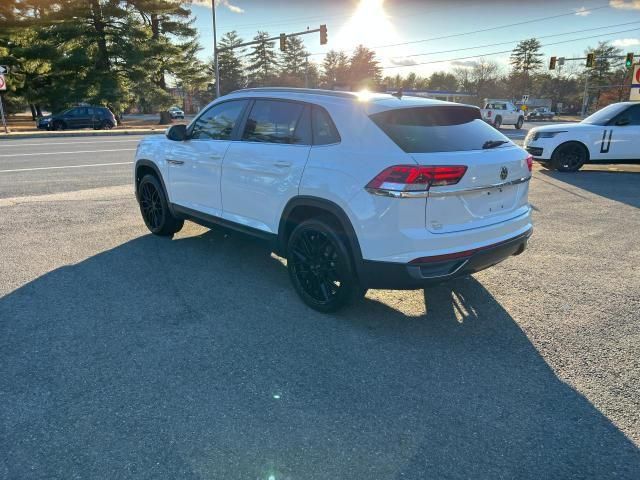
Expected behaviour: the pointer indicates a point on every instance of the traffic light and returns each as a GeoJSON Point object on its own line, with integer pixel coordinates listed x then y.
{"type": "Point", "coordinates": [323, 34]}
{"type": "Point", "coordinates": [591, 57]}
{"type": "Point", "coordinates": [629, 61]}
{"type": "Point", "coordinates": [552, 63]}
{"type": "Point", "coordinates": [283, 42]}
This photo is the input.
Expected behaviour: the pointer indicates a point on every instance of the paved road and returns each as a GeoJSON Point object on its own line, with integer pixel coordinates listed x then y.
{"type": "Point", "coordinates": [124, 355]}
{"type": "Point", "coordinates": [53, 165]}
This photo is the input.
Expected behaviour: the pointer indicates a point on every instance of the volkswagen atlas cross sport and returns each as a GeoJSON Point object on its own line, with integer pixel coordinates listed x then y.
{"type": "Point", "coordinates": [356, 191]}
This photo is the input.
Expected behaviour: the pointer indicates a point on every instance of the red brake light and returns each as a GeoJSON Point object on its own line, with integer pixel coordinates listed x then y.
{"type": "Point", "coordinates": [411, 178]}
{"type": "Point", "coordinates": [530, 162]}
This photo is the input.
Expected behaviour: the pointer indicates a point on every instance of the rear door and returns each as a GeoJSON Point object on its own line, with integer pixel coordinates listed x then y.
{"type": "Point", "coordinates": [621, 139]}
{"type": "Point", "coordinates": [495, 186]}
{"type": "Point", "coordinates": [263, 170]}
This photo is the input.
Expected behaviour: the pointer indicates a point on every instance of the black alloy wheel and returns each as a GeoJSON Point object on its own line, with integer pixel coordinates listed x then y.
{"type": "Point", "coordinates": [154, 208]}
{"type": "Point", "coordinates": [569, 157]}
{"type": "Point", "coordinates": [519, 123]}
{"type": "Point", "coordinates": [320, 266]}
{"type": "Point", "coordinates": [497, 123]}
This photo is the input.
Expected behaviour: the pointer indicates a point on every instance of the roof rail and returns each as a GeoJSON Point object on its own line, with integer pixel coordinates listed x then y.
{"type": "Point", "coordinates": [309, 91]}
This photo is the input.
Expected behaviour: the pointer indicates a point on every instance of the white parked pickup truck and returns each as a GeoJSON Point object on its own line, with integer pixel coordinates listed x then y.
{"type": "Point", "coordinates": [499, 112]}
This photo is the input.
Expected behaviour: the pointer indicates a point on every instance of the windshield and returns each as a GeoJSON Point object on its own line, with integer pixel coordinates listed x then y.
{"type": "Point", "coordinates": [437, 129]}
{"type": "Point", "coordinates": [604, 116]}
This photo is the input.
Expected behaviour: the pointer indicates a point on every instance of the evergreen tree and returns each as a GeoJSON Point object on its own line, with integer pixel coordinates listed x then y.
{"type": "Point", "coordinates": [232, 75]}
{"type": "Point", "coordinates": [263, 61]}
{"type": "Point", "coordinates": [364, 69]}
{"type": "Point", "coordinates": [294, 62]}
{"type": "Point", "coordinates": [335, 69]}
{"type": "Point", "coordinates": [443, 81]}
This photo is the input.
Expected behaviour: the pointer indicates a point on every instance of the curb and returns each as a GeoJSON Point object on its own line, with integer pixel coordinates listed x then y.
{"type": "Point", "coordinates": [79, 133]}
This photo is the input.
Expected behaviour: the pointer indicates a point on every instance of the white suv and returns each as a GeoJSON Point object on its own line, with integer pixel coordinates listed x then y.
{"type": "Point", "coordinates": [357, 191]}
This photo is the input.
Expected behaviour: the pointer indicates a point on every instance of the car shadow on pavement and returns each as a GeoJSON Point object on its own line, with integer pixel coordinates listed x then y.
{"type": "Point", "coordinates": [193, 358]}
{"type": "Point", "coordinates": [621, 186]}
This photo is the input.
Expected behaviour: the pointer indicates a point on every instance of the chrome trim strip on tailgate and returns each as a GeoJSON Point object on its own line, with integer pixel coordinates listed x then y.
{"type": "Point", "coordinates": [439, 193]}
{"type": "Point", "coordinates": [442, 193]}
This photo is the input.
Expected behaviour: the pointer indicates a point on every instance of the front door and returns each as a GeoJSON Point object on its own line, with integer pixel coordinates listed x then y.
{"type": "Point", "coordinates": [263, 170]}
{"type": "Point", "coordinates": [195, 164]}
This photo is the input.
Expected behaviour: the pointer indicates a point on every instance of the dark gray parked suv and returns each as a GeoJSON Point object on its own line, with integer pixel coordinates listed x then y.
{"type": "Point", "coordinates": [79, 117]}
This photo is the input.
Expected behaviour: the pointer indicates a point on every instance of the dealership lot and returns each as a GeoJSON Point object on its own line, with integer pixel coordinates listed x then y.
{"type": "Point", "coordinates": [128, 355]}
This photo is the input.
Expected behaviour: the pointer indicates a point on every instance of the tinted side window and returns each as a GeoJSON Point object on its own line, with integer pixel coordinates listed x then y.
{"type": "Point", "coordinates": [633, 114]}
{"type": "Point", "coordinates": [218, 122]}
{"type": "Point", "coordinates": [324, 130]}
{"type": "Point", "coordinates": [273, 121]}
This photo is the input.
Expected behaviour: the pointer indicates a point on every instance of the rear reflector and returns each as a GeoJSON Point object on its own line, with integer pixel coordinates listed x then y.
{"type": "Point", "coordinates": [530, 162]}
{"type": "Point", "coordinates": [412, 178]}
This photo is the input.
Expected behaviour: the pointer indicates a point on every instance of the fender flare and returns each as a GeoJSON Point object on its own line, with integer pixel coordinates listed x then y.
{"type": "Point", "coordinates": [154, 167]}
{"type": "Point", "coordinates": [330, 207]}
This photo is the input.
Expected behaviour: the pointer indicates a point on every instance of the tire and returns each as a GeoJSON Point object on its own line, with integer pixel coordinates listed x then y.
{"type": "Point", "coordinates": [155, 209]}
{"type": "Point", "coordinates": [106, 125]}
{"type": "Point", "coordinates": [519, 123]}
{"type": "Point", "coordinates": [497, 122]}
{"type": "Point", "coordinates": [320, 266]}
{"type": "Point", "coordinates": [58, 125]}
{"type": "Point", "coordinates": [569, 157]}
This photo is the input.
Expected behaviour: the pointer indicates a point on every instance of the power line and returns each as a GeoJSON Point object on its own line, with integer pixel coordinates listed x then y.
{"type": "Point", "coordinates": [508, 51]}
{"type": "Point", "coordinates": [516, 41]}
{"type": "Point", "coordinates": [490, 28]}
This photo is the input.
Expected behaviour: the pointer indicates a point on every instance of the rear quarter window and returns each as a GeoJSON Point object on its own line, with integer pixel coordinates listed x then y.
{"type": "Point", "coordinates": [437, 129]}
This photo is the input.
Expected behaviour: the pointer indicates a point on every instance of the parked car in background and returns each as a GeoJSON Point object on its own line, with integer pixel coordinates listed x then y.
{"type": "Point", "coordinates": [608, 136]}
{"type": "Point", "coordinates": [499, 113]}
{"type": "Point", "coordinates": [540, 113]}
{"type": "Point", "coordinates": [176, 113]}
{"type": "Point", "coordinates": [355, 191]}
{"type": "Point", "coordinates": [95, 117]}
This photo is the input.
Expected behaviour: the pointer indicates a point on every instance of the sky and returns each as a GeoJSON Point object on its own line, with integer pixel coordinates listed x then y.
{"type": "Point", "coordinates": [433, 35]}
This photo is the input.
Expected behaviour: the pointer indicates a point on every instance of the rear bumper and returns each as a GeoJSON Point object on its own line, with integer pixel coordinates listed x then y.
{"type": "Point", "coordinates": [403, 276]}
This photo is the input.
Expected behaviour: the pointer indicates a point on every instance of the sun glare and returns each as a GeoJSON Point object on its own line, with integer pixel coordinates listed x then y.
{"type": "Point", "coordinates": [369, 25]}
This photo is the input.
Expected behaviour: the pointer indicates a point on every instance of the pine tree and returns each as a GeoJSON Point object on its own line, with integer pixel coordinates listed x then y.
{"type": "Point", "coordinates": [364, 69]}
{"type": "Point", "coordinates": [294, 59]}
{"type": "Point", "coordinates": [263, 61]}
{"type": "Point", "coordinates": [335, 69]}
{"type": "Point", "coordinates": [232, 75]}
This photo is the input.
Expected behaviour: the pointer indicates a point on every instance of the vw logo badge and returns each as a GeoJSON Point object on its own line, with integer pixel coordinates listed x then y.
{"type": "Point", "coordinates": [504, 172]}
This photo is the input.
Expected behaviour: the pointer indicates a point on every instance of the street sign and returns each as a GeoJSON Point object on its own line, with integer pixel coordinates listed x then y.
{"type": "Point", "coordinates": [525, 99]}
{"type": "Point", "coordinates": [4, 69]}
{"type": "Point", "coordinates": [635, 83]}
{"type": "Point", "coordinates": [3, 83]}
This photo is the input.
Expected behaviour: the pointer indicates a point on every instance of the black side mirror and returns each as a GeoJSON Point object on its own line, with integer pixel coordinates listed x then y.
{"type": "Point", "coordinates": [177, 133]}
{"type": "Point", "coordinates": [621, 122]}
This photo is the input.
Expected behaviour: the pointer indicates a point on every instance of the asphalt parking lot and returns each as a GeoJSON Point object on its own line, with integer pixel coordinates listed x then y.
{"type": "Point", "coordinates": [124, 355]}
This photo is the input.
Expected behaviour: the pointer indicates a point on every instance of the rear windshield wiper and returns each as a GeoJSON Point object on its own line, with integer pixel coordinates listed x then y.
{"type": "Point", "coordinates": [493, 143]}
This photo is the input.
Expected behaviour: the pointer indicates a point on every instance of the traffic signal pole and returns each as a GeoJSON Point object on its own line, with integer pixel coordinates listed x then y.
{"type": "Point", "coordinates": [215, 49]}
{"type": "Point", "coordinates": [322, 28]}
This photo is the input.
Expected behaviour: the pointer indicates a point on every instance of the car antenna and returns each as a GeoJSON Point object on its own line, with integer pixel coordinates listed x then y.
{"type": "Point", "coordinates": [398, 94]}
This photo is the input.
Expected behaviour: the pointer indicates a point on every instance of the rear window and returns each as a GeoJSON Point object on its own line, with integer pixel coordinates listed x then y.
{"type": "Point", "coordinates": [437, 129]}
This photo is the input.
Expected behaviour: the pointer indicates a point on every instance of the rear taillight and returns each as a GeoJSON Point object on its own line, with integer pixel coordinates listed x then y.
{"type": "Point", "coordinates": [530, 162]}
{"type": "Point", "coordinates": [489, 114]}
{"type": "Point", "coordinates": [413, 178]}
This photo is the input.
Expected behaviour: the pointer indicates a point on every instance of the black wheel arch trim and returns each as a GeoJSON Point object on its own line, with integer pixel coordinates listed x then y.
{"type": "Point", "coordinates": [330, 207]}
{"type": "Point", "coordinates": [154, 167]}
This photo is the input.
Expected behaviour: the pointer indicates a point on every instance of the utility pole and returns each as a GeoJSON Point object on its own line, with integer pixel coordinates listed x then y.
{"type": "Point", "coordinates": [4, 120]}
{"type": "Point", "coordinates": [215, 48]}
{"type": "Point", "coordinates": [585, 95]}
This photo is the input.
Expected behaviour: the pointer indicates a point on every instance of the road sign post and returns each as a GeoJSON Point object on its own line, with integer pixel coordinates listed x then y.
{"type": "Point", "coordinates": [634, 93]}
{"type": "Point", "coordinates": [3, 88]}
{"type": "Point", "coordinates": [4, 69]}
